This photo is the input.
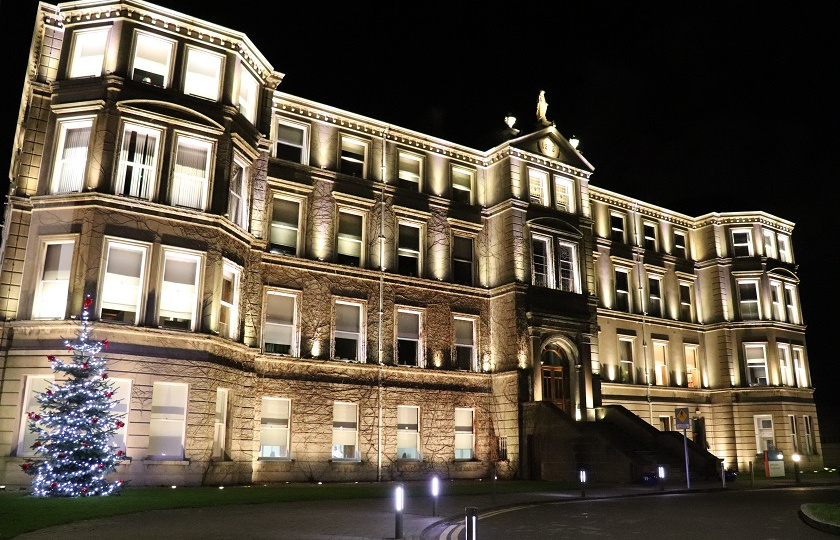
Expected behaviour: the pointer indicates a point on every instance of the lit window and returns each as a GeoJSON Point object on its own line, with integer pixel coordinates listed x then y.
{"type": "Point", "coordinates": [238, 193]}
{"type": "Point", "coordinates": [785, 373]}
{"type": "Point", "coordinates": [764, 437]}
{"type": "Point", "coordinates": [409, 346]}
{"type": "Point", "coordinates": [617, 228]}
{"type": "Point", "coordinates": [622, 290]}
{"type": "Point", "coordinates": [742, 244]}
{"type": "Point", "coordinates": [626, 370]}
{"type": "Point", "coordinates": [538, 187]}
{"type": "Point", "coordinates": [191, 178]}
{"type": "Point", "coordinates": [204, 74]}
{"type": "Point", "coordinates": [408, 250]}
{"type": "Point", "coordinates": [411, 171]}
{"type": "Point", "coordinates": [345, 431]}
{"type": "Point", "coordinates": [220, 424]}
{"type": "Point", "coordinates": [756, 364]}
{"type": "Point", "coordinates": [138, 162]}
{"type": "Point", "coordinates": [88, 53]}
{"type": "Point", "coordinates": [692, 374]}
{"type": "Point", "coordinates": [71, 156]}
{"type": "Point", "coordinates": [179, 290]}
{"type": "Point", "coordinates": [542, 260]}
{"type": "Point", "coordinates": [567, 267]}
{"type": "Point", "coordinates": [121, 389]}
{"type": "Point", "coordinates": [122, 284]}
{"type": "Point", "coordinates": [274, 428]}
{"type": "Point", "coordinates": [248, 95]}
{"type": "Point", "coordinates": [651, 241]}
{"type": "Point", "coordinates": [791, 305]}
{"type": "Point", "coordinates": [680, 249]}
{"type": "Point", "coordinates": [285, 216]}
{"type": "Point", "coordinates": [686, 304]}
{"type": "Point", "coordinates": [799, 367]}
{"type": "Point", "coordinates": [408, 432]}
{"type": "Point", "coordinates": [462, 260]}
{"type": "Point", "coordinates": [353, 157]}
{"type": "Point", "coordinates": [776, 300]}
{"type": "Point", "coordinates": [655, 296]}
{"type": "Point", "coordinates": [168, 420]}
{"type": "Point", "coordinates": [465, 357]}
{"type": "Point", "coordinates": [464, 434]}
{"type": "Point", "coordinates": [660, 363]}
{"type": "Point", "coordinates": [769, 243]}
{"type": "Point", "coordinates": [292, 142]}
{"type": "Point", "coordinates": [229, 301]}
{"type": "Point", "coordinates": [794, 433]}
{"type": "Point", "coordinates": [784, 248]}
{"type": "Point", "coordinates": [35, 384]}
{"type": "Point", "coordinates": [462, 182]}
{"type": "Point", "coordinates": [54, 283]}
{"type": "Point", "coordinates": [810, 440]}
{"type": "Point", "coordinates": [280, 330]}
{"type": "Point", "coordinates": [348, 343]}
{"type": "Point", "coordinates": [350, 241]}
{"type": "Point", "coordinates": [152, 59]}
{"type": "Point", "coordinates": [564, 193]}
{"type": "Point", "coordinates": [748, 296]}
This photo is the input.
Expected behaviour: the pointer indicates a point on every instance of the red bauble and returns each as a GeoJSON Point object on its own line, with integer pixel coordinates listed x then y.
{"type": "Point", "coordinates": [101, 465]}
{"type": "Point", "coordinates": [105, 342]}
{"type": "Point", "coordinates": [120, 423]}
{"type": "Point", "coordinates": [49, 392]}
{"type": "Point", "coordinates": [88, 302]}
{"type": "Point", "coordinates": [95, 420]}
{"type": "Point", "coordinates": [62, 456]}
{"type": "Point", "coordinates": [31, 415]}
{"type": "Point", "coordinates": [36, 444]}
{"type": "Point", "coordinates": [54, 485]}
{"type": "Point", "coordinates": [109, 394]}
{"type": "Point", "coordinates": [84, 366]}
{"type": "Point", "coordinates": [52, 358]}
{"type": "Point", "coordinates": [105, 376]}
{"type": "Point", "coordinates": [25, 466]}
{"type": "Point", "coordinates": [84, 490]}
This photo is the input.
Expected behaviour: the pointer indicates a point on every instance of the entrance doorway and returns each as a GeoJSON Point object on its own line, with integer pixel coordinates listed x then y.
{"type": "Point", "coordinates": [555, 376]}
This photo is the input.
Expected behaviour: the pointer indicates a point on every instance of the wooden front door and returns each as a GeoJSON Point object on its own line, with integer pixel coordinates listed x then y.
{"type": "Point", "coordinates": [555, 385]}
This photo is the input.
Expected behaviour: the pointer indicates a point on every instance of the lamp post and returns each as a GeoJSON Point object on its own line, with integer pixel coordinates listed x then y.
{"type": "Point", "coordinates": [796, 458]}
{"type": "Point", "coordinates": [399, 504]}
{"type": "Point", "coordinates": [583, 483]}
{"type": "Point", "coordinates": [435, 492]}
{"type": "Point", "coordinates": [661, 478]}
{"type": "Point", "coordinates": [471, 520]}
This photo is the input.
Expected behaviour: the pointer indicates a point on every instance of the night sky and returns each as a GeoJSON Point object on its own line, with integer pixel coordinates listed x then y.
{"type": "Point", "coordinates": [696, 107]}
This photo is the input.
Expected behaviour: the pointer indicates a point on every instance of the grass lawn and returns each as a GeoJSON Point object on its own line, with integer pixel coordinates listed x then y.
{"type": "Point", "coordinates": [830, 513]}
{"type": "Point", "coordinates": [21, 512]}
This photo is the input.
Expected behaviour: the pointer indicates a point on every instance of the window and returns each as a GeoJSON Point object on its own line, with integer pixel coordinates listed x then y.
{"type": "Point", "coordinates": [651, 239]}
{"type": "Point", "coordinates": [71, 156]}
{"type": "Point", "coordinates": [285, 223]}
{"type": "Point", "coordinates": [408, 250]}
{"type": "Point", "coordinates": [764, 437]}
{"type": "Point", "coordinates": [35, 384]}
{"type": "Point", "coordinates": [542, 261]}
{"type": "Point", "coordinates": [791, 305]}
{"type": "Point", "coordinates": [220, 424]}
{"type": "Point", "coordinates": [464, 434]}
{"type": "Point", "coordinates": [350, 241]}
{"type": "Point", "coordinates": [660, 363]}
{"type": "Point", "coordinates": [168, 420]}
{"type": "Point", "coordinates": [748, 296]}
{"type": "Point", "coordinates": [769, 243]}
{"type": "Point", "coordinates": [617, 228]}
{"type": "Point", "coordinates": [122, 403]}
{"type": "Point", "coordinates": [810, 441]}
{"type": "Point", "coordinates": [229, 301]}
{"type": "Point", "coordinates": [784, 248]}
{"type": "Point", "coordinates": [794, 434]}
{"type": "Point", "coordinates": [692, 374]}
{"type": "Point", "coordinates": [686, 304]}
{"type": "Point", "coordinates": [462, 181]}
{"type": "Point", "coordinates": [349, 325]}
{"type": "Point", "coordinates": [191, 176]}
{"type": "Point", "coordinates": [622, 290]}
{"type": "Point", "coordinates": [249, 90]}
{"type": "Point", "coordinates": [179, 290]}
{"type": "Point", "coordinates": [742, 244]}
{"type": "Point", "coordinates": [123, 282]}
{"type": "Point", "coordinates": [292, 142]}
{"type": "Point", "coordinates": [138, 162]}
{"type": "Point", "coordinates": [274, 428]}
{"type": "Point", "coordinates": [465, 354]}
{"type": "Point", "coordinates": [238, 193]}
{"type": "Point", "coordinates": [564, 193]}
{"type": "Point", "coordinates": [664, 423]}
{"type": "Point", "coordinates": [462, 260]}
{"type": "Point", "coordinates": [567, 267]}
{"type": "Point", "coordinates": [799, 366]}
{"type": "Point", "coordinates": [345, 431]}
{"type": "Point", "coordinates": [655, 296]}
{"type": "Point", "coordinates": [88, 53]}
{"type": "Point", "coordinates": [680, 249]}
{"type": "Point", "coordinates": [785, 373]}
{"type": "Point", "coordinates": [502, 449]}
{"type": "Point", "coordinates": [408, 432]}
{"type": "Point", "coordinates": [152, 59]}
{"type": "Point", "coordinates": [54, 283]}
{"type": "Point", "coordinates": [411, 171]}
{"type": "Point", "coordinates": [353, 157]}
{"type": "Point", "coordinates": [280, 330]}
{"type": "Point", "coordinates": [756, 364]}
{"type": "Point", "coordinates": [409, 346]}
{"type": "Point", "coordinates": [204, 73]}
{"type": "Point", "coordinates": [626, 370]}
{"type": "Point", "coordinates": [776, 300]}
{"type": "Point", "coordinates": [538, 187]}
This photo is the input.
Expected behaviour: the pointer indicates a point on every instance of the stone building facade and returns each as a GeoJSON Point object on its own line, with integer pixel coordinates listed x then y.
{"type": "Point", "coordinates": [294, 292]}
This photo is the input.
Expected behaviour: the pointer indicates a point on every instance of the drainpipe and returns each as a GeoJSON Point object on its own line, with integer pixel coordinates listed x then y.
{"type": "Point", "coordinates": [640, 268]}
{"type": "Point", "coordinates": [381, 307]}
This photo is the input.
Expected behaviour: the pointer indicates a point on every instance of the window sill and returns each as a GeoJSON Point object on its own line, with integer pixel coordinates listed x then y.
{"type": "Point", "coordinates": [275, 459]}
{"type": "Point", "coordinates": [152, 460]}
{"type": "Point", "coordinates": [350, 461]}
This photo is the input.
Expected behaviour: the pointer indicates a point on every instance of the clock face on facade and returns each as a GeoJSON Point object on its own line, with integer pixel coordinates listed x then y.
{"type": "Point", "coordinates": [548, 147]}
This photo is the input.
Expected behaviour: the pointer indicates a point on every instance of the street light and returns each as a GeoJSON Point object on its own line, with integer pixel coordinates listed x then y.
{"type": "Point", "coordinates": [399, 504]}
{"type": "Point", "coordinates": [796, 458]}
{"type": "Point", "coordinates": [435, 493]}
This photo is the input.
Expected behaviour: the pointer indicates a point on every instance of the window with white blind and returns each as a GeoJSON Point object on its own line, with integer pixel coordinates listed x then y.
{"type": "Point", "coordinates": [123, 281]}
{"type": "Point", "coordinates": [409, 249]}
{"type": "Point", "coordinates": [784, 248]}
{"type": "Point", "coordinates": [152, 59]}
{"type": "Point", "coordinates": [626, 368]}
{"type": "Point", "coordinates": [238, 192]}
{"type": "Point", "coordinates": [692, 373]}
{"type": "Point", "coordinates": [799, 371]}
{"type": "Point", "coordinates": [191, 175]}
{"type": "Point", "coordinates": [464, 434]}
{"type": "Point", "coordinates": [292, 141]}
{"type": "Point", "coordinates": [564, 194]}
{"type": "Point", "coordinates": [345, 436]}
{"type": "Point", "coordinates": [765, 438]}
{"type": "Point", "coordinates": [280, 328]}
{"type": "Point", "coordinates": [249, 91]}
{"type": "Point", "coordinates": [462, 185]}
{"type": "Point", "coordinates": [462, 260]}
{"type": "Point", "coordinates": [275, 428]}
{"type": "Point", "coordinates": [203, 75]}
{"type": "Point", "coordinates": [35, 384]}
{"type": "Point", "coordinates": [660, 363]}
{"type": "Point", "coordinates": [408, 432]}
{"type": "Point", "coordinates": [748, 299]}
{"type": "Point", "coordinates": [229, 301]}
{"type": "Point", "coordinates": [769, 243]}
{"type": "Point", "coordinates": [54, 279]}
{"type": "Point", "coordinates": [538, 187]}
{"type": "Point", "coordinates": [88, 53]}
{"type": "Point", "coordinates": [348, 342]}
{"type": "Point", "coordinates": [350, 239]}
{"type": "Point", "coordinates": [785, 373]}
{"type": "Point", "coordinates": [168, 420]}
{"type": "Point", "coordinates": [411, 171]}
{"type": "Point", "coordinates": [791, 304]}
{"type": "Point", "coordinates": [71, 155]}
{"type": "Point", "coordinates": [220, 424]}
{"type": "Point", "coordinates": [756, 364]}
{"type": "Point", "coordinates": [179, 289]}
{"type": "Point", "coordinates": [137, 171]}
{"type": "Point", "coordinates": [776, 300]}
{"type": "Point", "coordinates": [409, 346]}
{"type": "Point", "coordinates": [122, 405]}
{"type": "Point", "coordinates": [353, 158]}
{"type": "Point", "coordinates": [285, 224]}
{"type": "Point", "coordinates": [465, 352]}
{"type": "Point", "coordinates": [742, 243]}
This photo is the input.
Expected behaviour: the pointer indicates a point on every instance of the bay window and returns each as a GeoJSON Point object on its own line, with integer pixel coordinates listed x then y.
{"type": "Point", "coordinates": [238, 193]}
{"type": "Point", "coordinates": [220, 424]}
{"type": "Point", "coordinates": [280, 328]}
{"type": "Point", "coordinates": [53, 287]}
{"type": "Point", "coordinates": [229, 301]}
{"type": "Point", "coordinates": [285, 224]}
{"type": "Point", "coordinates": [203, 74]}
{"type": "Point", "coordinates": [408, 432]}
{"type": "Point", "coordinates": [464, 433]}
{"type": "Point", "coordinates": [748, 298]}
{"type": "Point", "coordinates": [152, 59]}
{"type": "Point", "coordinates": [123, 282]}
{"type": "Point", "coordinates": [345, 436]}
{"type": "Point", "coordinates": [249, 90]}
{"type": "Point", "coordinates": [137, 170]}
{"type": "Point", "coordinates": [191, 174]}
{"type": "Point", "coordinates": [275, 427]}
{"type": "Point", "coordinates": [88, 53]}
{"type": "Point", "coordinates": [71, 155]}
{"type": "Point", "coordinates": [756, 364]}
{"type": "Point", "coordinates": [179, 289]}
{"type": "Point", "coordinates": [168, 420]}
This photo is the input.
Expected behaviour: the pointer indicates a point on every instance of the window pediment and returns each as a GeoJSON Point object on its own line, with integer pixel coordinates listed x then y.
{"type": "Point", "coordinates": [169, 113]}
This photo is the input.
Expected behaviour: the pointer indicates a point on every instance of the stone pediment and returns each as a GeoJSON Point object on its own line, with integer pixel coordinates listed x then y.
{"type": "Point", "coordinates": [169, 112]}
{"type": "Point", "coordinates": [550, 144]}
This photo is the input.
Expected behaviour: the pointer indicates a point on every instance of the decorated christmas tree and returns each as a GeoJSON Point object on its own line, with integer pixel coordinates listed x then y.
{"type": "Point", "coordinates": [75, 424]}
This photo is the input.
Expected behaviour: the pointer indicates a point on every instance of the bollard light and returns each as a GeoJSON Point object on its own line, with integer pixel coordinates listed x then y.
{"type": "Point", "coordinates": [796, 458]}
{"type": "Point", "coordinates": [661, 478]}
{"type": "Point", "coordinates": [582, 483]}
{"type": "Point", "coordinates": [470, 522]}
{"type": "Point", "coordinates": [435, 493]}
{"type": "Point", "coordinates": [399, 504]}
